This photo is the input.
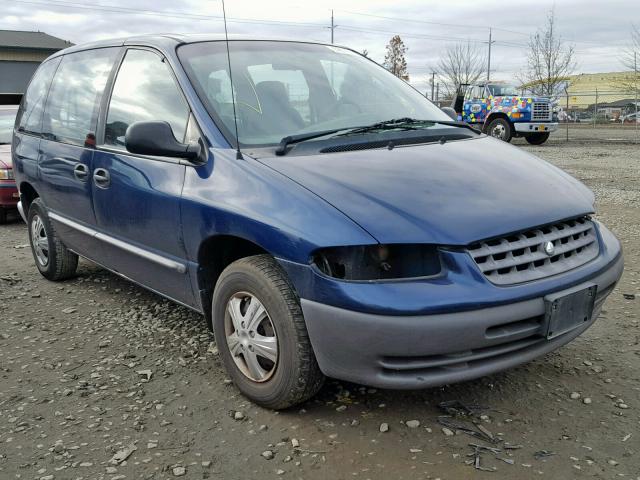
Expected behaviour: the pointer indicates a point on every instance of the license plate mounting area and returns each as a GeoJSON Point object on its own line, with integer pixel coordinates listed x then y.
{"type": "Point", "coordinates": [568, 309]}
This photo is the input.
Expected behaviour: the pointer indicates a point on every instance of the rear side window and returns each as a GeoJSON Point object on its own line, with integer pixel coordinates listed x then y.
{"type": "Point", "coordinates": [74, 99]}
{"type": "Point", "coordinates": [30, 115]}
{"type": "Point", "coordinates": [144, 90]}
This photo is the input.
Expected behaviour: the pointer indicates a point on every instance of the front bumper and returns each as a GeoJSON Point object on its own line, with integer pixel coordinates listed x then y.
{"type": "Point", "coordinates": [535, 127]}
{"type": "Point", "coordinates": [418, 351]}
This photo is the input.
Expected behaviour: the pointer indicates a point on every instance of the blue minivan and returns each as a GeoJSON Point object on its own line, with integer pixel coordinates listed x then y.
{"type": "Point", "coordinates": [325, 217]}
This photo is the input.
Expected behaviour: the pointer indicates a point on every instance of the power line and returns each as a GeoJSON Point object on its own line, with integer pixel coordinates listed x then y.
{"type": "Point", "coordinates": [194, 16]}
{"type": "Point", "coordinates": [295, 24]}
{"type": "Point", "coordinates": [458, 25]}
{"type": "Point", "coordinates": [167, 14]}
{"type": "Point", "coordinates": [412, 20]}
{"type": "Point", "coordinates": [428, 37]}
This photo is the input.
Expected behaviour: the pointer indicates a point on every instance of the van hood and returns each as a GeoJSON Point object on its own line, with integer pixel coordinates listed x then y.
{"type": "Point", "coordinates": [449, 194]}
{"type": "Point", "coordinates": [5, 156]}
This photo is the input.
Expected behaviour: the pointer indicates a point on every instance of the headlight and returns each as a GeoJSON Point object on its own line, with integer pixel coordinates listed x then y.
{"type": "Point", "coordinates": [6, 174]}
{"type": "Point", "coordinates": [378, 262]}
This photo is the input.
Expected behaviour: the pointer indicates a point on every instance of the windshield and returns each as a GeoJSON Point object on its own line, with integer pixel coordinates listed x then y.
{"type": "Point", "coordinates": [503, 90]}
{"type": "Point", "coordinates": [287, 88]}
{"type": "Point", "coordinates": [7, 119]}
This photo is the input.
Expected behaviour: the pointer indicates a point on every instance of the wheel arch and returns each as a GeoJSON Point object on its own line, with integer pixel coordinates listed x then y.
{"type": "Point", "coordinates": [216, 253]}
{"type": "Point", "coordinates": [492, 116]}
{"type": "Point", "coordinates": [27, 195]}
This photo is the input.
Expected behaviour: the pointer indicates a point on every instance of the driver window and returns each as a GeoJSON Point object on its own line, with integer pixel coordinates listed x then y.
{"type": "Point", "coordinates": [144, 90]}
{"type": "Point", "coordinates": [471, 93]}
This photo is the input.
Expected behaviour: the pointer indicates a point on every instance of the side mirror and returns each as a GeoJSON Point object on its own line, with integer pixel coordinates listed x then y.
{"type": "Point", "coordinates": [156, 138]}
{"type": "Point", "coordinates": [451, 112]}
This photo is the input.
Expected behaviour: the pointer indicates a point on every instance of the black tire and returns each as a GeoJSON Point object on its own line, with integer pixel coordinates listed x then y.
{"type": "Point", "coordinates": [537, 138]}
{"type": "Point", "coordinates": [501, 129]}
{"type": "Point", "coordinates": [295, 376]}
{"type": "Point", "coordinates": [61, 263]}
{"type": "Point", "coordinates": [3, 216]}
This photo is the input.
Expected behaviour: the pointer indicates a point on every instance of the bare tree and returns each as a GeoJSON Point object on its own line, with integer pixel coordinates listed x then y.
{"type": "Point", "coordinates": [365, 52]}
{"type": "Point", "coordinates": [462, 63]}
{"type": "Point", "coordinates": [394, 59]}
{"type": "Point", "coordinates": [630, 82]}
{"type": "Point", "coordinates": [549, 60]}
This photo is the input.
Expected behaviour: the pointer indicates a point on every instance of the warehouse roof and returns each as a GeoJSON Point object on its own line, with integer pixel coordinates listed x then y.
{"type": "Point", "coordinates": [31, 40]}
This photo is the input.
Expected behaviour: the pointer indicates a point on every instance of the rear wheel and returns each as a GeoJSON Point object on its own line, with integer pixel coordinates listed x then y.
{"type": "Point", "coordinates": [54, 261]}
{"type": "Point", "coordinates": [261, 334]}
{"type": "Point", "coordinates": [537, 138]}
{"type": "Point", "coordinates": [501, 129]}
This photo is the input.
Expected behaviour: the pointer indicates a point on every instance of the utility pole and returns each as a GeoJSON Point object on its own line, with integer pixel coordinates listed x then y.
{"type": "Point", "coordinates": [433, 86]}
{"type": "Point", "coordinates": [332, 27]}
{"type": "Point", "coordinates": [438, 94]}
{"type": "Point", "coordinates": [489, 57]}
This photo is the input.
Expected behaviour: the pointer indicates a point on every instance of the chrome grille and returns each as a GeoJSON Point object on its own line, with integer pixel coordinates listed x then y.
{"type": "Point", "coordinates": [521, 257]}
{"type": "Point", "coordinates": [541, 112]}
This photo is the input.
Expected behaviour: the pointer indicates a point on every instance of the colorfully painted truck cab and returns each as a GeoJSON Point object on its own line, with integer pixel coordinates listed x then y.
{"type": "Point", "coordinates": [501, 112]}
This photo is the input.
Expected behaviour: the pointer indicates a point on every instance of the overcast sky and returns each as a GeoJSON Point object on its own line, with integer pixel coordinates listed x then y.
{"type": "Point", "coordinates": [598, 29]}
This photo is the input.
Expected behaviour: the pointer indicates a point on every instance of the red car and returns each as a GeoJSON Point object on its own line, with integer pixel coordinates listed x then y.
{"type": "Point", "coordinates": [9, 195]}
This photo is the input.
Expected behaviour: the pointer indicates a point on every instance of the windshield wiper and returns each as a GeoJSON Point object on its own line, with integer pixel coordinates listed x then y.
{"type": "Point", "coordinates": [404, 123]}
{"type": "Point", "coordinates": [281, 149]}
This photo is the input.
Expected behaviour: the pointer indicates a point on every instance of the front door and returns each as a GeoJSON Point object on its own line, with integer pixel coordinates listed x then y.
{"type": "Point", "coordinates": [68, 141]}
{"type": "Point", "coordinates": [137, 198]}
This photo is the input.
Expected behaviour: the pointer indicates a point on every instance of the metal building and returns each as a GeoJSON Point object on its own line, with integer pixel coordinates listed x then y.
{"type": "Point", "coordinates": [20, 54]}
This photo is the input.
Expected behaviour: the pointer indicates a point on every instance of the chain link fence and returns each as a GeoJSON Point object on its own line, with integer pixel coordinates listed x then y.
{"type": "Point", "coordinates": [597, 116]}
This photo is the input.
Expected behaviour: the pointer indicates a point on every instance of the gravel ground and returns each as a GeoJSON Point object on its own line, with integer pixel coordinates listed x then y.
{"type": "Point", "coordinates": [103, 380]}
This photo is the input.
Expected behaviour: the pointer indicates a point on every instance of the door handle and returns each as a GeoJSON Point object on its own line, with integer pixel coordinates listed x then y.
{"type": "Point", "coordinates": [80, 172]}
{"type": "Point", "coordinates": [101, 177]}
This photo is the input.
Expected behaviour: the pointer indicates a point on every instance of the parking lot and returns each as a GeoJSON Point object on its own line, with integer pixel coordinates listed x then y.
{"type": "Point", "coordinates": [102, 379]}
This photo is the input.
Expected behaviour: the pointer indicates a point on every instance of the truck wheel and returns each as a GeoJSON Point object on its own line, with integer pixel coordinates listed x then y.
{"type": "Point", "coordinates": [501, 129]}
{"type": "Point", "coordinates": [537, 138]}
{"type": "Point", "coordinates": [54, 261]}
{"type": "Point", "coordinates": [261, 334]}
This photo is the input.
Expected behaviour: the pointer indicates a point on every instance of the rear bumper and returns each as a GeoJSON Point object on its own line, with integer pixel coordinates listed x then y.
{"type": "Point", "coordinates": [535, 127]}
{"type": "Point", "coordinates": [8, 195]}
{"type": "Point", "coordinates": [408, 352]}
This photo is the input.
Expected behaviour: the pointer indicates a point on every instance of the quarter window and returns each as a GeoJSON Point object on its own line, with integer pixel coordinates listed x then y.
{"type": "Point", "coordinates": [33, 103]}
{"type": "Point", "coordinates": [74, 100]}
{"type": "Point", "coordinates": [144, 90]}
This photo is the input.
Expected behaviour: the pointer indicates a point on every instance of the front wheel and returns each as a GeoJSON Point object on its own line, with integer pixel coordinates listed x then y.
{"type": "Point", "coordinates": [501, 129]}
{"type": "Point", "coordinates": [261, 334]}
{"type": "Point", "coordinates": [537, 138]}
